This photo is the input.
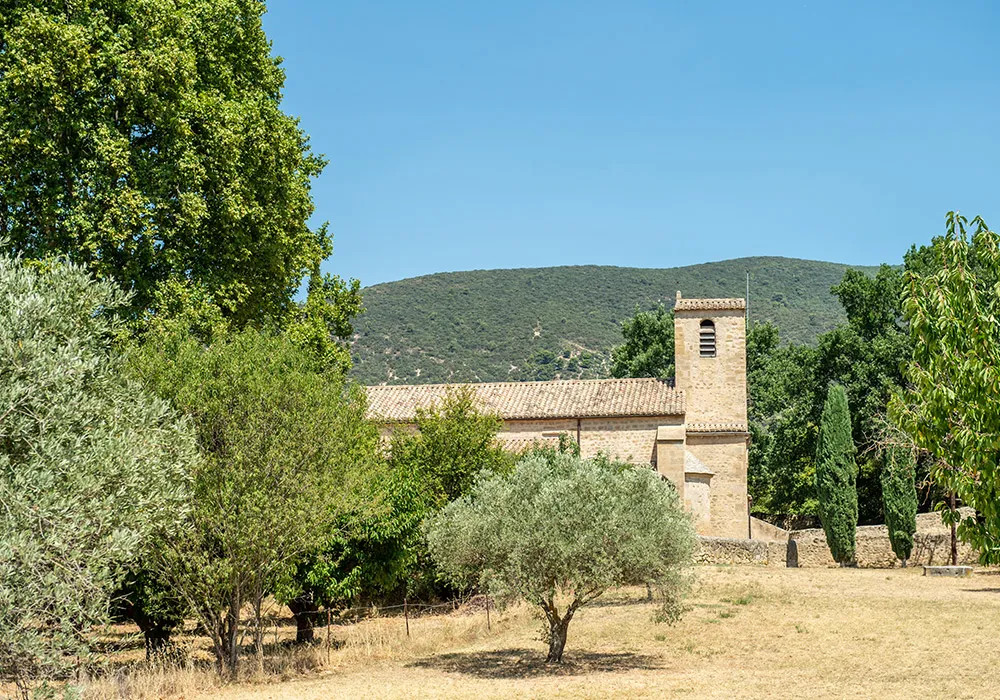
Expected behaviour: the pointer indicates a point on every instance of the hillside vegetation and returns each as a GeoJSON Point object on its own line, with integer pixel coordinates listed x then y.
{"type": "Point", "coordinates": [561, 322]}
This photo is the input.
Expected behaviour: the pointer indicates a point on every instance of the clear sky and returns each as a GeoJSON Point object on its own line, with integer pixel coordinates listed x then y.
{"type": "Point", "coordinates": [472, 135]}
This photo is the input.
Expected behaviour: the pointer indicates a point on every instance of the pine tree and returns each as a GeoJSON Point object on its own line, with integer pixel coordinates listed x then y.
{"type": "Point", "coordinates": [836, 476]}
{"type": "Point", "coordinates": [899, 500]}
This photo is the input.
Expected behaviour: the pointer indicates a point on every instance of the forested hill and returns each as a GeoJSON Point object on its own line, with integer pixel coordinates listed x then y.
{"type": "Point", "coordinates": [552, 322]}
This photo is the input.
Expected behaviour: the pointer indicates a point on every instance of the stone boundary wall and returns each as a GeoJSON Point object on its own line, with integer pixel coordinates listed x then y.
{"type": "Point", "coordinates": [772, 546]}
{"type": "Point", "coordinates": [931, 546]}
{"type": "Point", "coordinates": [728, 550]}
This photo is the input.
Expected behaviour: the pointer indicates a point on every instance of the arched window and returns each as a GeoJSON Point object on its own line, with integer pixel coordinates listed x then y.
{"type": "Point", "coordinates": [706, 339]}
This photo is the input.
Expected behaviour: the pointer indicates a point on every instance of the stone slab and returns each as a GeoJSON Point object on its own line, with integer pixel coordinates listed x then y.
{"type": "Point", "coordinates": [947, 571]}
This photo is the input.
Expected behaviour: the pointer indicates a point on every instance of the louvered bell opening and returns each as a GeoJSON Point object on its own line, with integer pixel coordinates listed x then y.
{"type": "Point", "coordinates": [706, 340]}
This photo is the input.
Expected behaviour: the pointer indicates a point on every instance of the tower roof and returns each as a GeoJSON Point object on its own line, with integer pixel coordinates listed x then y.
{"type": "Point", "coordinates": [709, 304]}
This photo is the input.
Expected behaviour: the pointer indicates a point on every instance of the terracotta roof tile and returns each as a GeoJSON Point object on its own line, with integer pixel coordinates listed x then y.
{"type": "Point", "coordinates": [568, 398]}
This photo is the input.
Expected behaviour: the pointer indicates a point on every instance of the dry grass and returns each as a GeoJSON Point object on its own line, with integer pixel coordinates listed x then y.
{"type": "Point", "coordinates": [751, 633]}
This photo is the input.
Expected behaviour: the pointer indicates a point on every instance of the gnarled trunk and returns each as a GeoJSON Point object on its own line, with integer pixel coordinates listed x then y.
{"type": "Point", "coordinates": [304, 610]}
{"type": "Point", "coordinates": [558, 627]}
{"type": "Point", "coordinates": [557, 641]}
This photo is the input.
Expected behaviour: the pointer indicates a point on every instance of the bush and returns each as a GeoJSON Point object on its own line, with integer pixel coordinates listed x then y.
{"type": "Point", "coordinates": [561, 527]}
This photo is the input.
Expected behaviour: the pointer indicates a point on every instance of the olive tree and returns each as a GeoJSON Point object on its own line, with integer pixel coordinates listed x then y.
{"type": "Point", "coordinates": [560, 531]}
{"type": "Point", "coordinates": [90, 465]}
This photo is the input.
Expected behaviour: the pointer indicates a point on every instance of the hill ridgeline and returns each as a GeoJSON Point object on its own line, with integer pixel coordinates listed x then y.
{"type": "Point", "coordinates": [561, 322]}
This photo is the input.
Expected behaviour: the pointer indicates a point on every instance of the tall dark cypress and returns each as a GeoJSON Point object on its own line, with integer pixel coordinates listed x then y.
{"type": "Point", "coordinates": [836, 476]}
{"type": "Point", "coordinates": [899, 500]}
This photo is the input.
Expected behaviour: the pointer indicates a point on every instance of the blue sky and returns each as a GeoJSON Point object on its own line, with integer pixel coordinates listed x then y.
{"type": "Point", "coordinates": [472, 135]}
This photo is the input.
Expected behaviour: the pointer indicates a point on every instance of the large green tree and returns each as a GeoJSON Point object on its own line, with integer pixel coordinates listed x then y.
{"type": "Point", "coordinates": [949, 405]}
{"type": "Point", "coordinates": [561, 528]}
{"type": "Point", "coordinates": [648, 350]}
{"type": "Point", "coordinates": [145, 140]}
{"type": "Point", "coordinates": [91, 466]}
{"type": "Point", "coordinates": [836, 476]}
{"type": "Point", "coordinates": [284, 443]}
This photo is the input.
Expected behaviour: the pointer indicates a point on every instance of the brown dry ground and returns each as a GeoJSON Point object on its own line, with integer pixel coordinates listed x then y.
{"type": "Point", "coordinates": [750, 633]}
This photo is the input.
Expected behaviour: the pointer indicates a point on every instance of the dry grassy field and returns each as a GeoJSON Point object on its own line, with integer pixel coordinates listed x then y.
{"type": "Point", "coordinates": [751, 633]}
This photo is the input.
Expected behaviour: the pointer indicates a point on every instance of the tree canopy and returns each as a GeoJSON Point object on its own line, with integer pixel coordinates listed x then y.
{"type": "Point", "coordinates": [561, 527]}
{"type": "Point", "coordinates": [648, 350]}
{"type": "Point", "coordinates": [145, 140]}
{"type": "Point", "coordinates": [284, 442]}
{"type": "Point", "coordinates": [949, 405]}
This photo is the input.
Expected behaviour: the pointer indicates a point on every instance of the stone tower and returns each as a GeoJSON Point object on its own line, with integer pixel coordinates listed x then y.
{"type": "Point", "coordinates": [711, 370]}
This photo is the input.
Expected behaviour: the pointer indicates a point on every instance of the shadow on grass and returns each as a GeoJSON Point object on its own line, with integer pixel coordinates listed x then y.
{"type": "Point", "coordinates": [530, 663]}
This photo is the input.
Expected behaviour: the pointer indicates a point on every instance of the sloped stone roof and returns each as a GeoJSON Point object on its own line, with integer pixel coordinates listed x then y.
{"type": "Point", "coordinates": [710, 304]}
{"type": "Point", "coordinates": [567, 398]}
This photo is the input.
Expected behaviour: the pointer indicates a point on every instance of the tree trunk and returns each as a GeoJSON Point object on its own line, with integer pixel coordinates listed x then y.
{"type": "Point", "coordinates": [954, 534]}
{"type": "Point", "coordinates": [157, 638]}
{"type": "Point", "coordinates": [233, 636]}
{"type": "Point", "coordinates": [557, 640]}
{"type": "Point", "coordinates": [304, 611]}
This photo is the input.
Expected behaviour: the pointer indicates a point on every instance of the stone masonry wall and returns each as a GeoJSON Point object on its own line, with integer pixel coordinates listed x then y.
{"type": "Point", "coordinates": [628, 439]}
{"type": "Point", "coordinates": [715, 388]}
{"type": "Point", "coordinates": [727, 457]}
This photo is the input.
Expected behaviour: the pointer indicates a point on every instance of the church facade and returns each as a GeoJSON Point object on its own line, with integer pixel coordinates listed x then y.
{"type": "Point", "coordinates": [692, 431]}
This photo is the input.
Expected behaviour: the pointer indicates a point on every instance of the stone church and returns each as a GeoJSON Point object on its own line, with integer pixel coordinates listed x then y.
{"type": "Point", "coordinates": [692, 431]}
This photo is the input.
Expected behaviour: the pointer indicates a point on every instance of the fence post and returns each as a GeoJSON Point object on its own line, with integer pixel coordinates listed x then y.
{"type": "Point", "coordinates": [406, 615]}
{"type": "Point", "coordinates": [328, 636]}
{"type": "Point", "coordinates": [488, 628]}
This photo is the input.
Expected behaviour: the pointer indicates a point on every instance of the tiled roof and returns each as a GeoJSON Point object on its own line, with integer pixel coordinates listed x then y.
{"type": "Point", "coordinates": [717, 427]}
{"type": "Point", "coordinates": [568, 398]}
{"type": "Point", "coordinates": [710, 305]}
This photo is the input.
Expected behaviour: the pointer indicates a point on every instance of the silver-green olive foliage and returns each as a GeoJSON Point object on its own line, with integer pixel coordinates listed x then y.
{"type": "Point", "coordinates": [560, 529]}
{"type": "Point", "coordinates": [90, 465]}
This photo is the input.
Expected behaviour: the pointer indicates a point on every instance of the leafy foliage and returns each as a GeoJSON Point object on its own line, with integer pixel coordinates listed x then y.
{"type": "Point", "coordinates": [145, 140]}
{"type": "Point", "coordinates": [370, 550]}
{"type": "Point", "coordinates": [282, 441]}
{"type": "Point", "coordinates": [564, 527]}
{"type": "Point", "coordinates": [899, 497]}
{"type": "Point", "coordinates": [90, 465]}
{"type": "Point", "coordinates": [513, 325]}
{"type": "Point", "coordinates": [949, 407]}
{"type": "Point", "coordinates": [836, 476]}
{"type": "Point", "coordinates": [648, 350]}
{"type": "Point", "coordinates": [453, 442]}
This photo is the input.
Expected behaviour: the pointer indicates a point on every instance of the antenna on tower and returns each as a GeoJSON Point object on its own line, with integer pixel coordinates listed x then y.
{"type": "Point", "coordinates": [748, 301]}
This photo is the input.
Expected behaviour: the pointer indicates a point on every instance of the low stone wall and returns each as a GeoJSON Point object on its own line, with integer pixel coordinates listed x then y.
{"type": "Point", "coordinates": [725, 550]}
{"type": "Point", "coordinates": [773, 546]}
{"type": "Point", "coordinates": [931, 546]}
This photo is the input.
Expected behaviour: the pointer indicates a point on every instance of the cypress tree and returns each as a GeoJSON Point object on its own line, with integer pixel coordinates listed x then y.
{"type": "Point", "coordinates": [836, 476]}
{"type": "Point", "coordinates": [899, 500]}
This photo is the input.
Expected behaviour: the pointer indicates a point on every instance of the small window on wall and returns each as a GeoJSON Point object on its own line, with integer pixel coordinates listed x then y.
{"type": "Point", "coordinates": [706, 339]}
